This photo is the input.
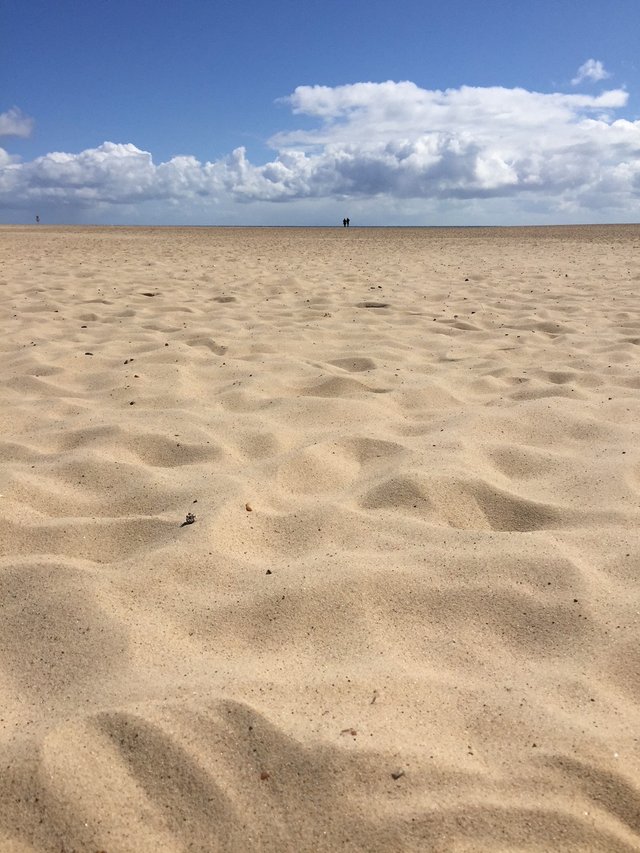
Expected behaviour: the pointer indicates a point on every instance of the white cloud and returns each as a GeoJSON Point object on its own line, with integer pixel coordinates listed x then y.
{"type": "Point", "coordinates": [386, 148]}
{"type": "Point", "coordinates": [592, 69]}
{"type": "Point", "coordinates": [6, 159]}
{"type": "Point", "coordinates": [15, 123]}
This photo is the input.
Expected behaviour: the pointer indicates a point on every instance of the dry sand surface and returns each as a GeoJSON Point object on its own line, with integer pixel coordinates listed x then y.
{"type": "Point", "coordinates": [406, 615]}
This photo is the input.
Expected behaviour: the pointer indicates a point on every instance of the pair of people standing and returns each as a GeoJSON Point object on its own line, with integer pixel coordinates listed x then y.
{"type": "Point", "coordinates": [345, 222]}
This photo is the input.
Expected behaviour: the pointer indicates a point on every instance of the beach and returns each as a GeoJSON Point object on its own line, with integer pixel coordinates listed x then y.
{"type": "Point", "coordinates": [319, 539]}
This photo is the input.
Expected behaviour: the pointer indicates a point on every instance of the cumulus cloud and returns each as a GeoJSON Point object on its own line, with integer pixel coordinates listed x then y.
{"type": "Point", "coordinates": [592, 69]}
{"type": "Point", "coordinates": [15, 123]}
{"type": "Point", "coordinates": [375, 143]}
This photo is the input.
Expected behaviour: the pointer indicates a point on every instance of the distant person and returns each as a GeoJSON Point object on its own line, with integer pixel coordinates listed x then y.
{"type": "Point", "coordinates": [38, 220]}
{"type": "Point", "coordinates": [344, 223]}
{"type": "Point", "coordinates": [347, 221]}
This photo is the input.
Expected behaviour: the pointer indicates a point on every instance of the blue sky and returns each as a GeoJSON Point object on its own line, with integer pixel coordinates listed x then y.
{"type": "Point", "coordinates": [242, 112]}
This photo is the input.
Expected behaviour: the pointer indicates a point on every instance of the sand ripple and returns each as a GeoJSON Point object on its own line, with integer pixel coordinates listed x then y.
{"type": "Point", "coordinates": [406, 614]}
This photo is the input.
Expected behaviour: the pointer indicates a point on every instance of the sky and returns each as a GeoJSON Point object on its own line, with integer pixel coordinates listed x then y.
{"type": "Point", "coordinates": [391, 112]}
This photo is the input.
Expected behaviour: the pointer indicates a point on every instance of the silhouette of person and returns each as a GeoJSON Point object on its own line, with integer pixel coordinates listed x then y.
{"type": "Point", "coordinates": [347, 221]}
{"type": "Point", "coordinates": [37, 219]}
{"type": "Point", "coordinates": [344, 223]}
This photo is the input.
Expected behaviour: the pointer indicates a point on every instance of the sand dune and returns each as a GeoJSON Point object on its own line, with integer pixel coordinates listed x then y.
{"type": "Point", "coordinates": [406, 615]}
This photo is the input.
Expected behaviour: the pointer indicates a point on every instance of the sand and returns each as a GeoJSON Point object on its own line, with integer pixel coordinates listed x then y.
{"type": "Point", "coordinates": [406, 615]}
